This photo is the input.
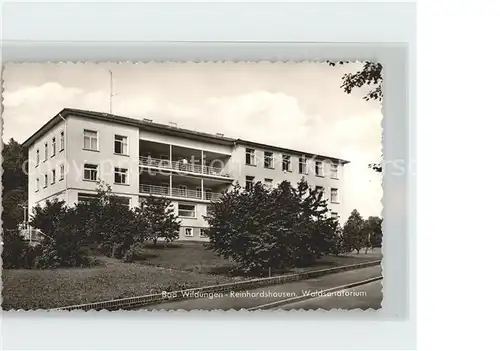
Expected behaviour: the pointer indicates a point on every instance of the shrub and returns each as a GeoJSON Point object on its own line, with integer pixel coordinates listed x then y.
{"type": "Point", "coordinates": [279, 228]}
{"type": "Point", "coordinates": [158, 219]}
{"type": "Point", "coordinates": [15, 252]}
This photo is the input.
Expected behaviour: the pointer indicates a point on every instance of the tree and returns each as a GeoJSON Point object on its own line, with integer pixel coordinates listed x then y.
{"type": "Point", "coordinates": [47, 218]}
{"type": "Point", "coordinates": [353, 232]}
{"type": "Point", "coordinates": [14, 157]}
{"type": "Point", "coordinates": [13, 211]}
{"type": "Point", "coordinates": [159, 218]}
{"type": "Point", "coordinates": [371, 76]}
{"type": "Point", "coordinates": [262, 229]}
{"type": "Point", "coordinates": [15, 184]}
{"type": "Point", "coordinates": [373, 228]}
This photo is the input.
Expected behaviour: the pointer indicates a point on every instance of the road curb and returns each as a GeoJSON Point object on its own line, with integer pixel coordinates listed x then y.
{"type": "Point", "coordinates": [303, 297]}
{"type": "Point", "coordinates": [145, 300]}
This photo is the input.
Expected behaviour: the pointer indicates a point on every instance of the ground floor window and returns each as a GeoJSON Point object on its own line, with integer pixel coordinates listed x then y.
{"type": "Point", "coordinates": [186, 210]}
{"type": "Point", "coordinates": [86, 198]}
{"type": "Point", "coordinates": [188, 232]}
{"type": "Point", "coordinates": [121, 200]}
{"type": "Point", "coordinates": [203, 233]}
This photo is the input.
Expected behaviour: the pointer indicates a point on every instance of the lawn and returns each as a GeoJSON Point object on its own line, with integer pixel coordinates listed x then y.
{"type": "Point", "coordinates": [178, 266]}
{"type": "Point", "coordinates": [49, 288]}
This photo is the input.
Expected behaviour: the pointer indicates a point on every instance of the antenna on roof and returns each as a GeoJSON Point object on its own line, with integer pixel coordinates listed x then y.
{"type": "Point", "coordinates": [111, 92]}
{"type": "Point", "coordinates": [147, 120]}
{"type": "Point", "coordinates": [173, 124]}
{"type": "Point", "coordinates": [220, 135]}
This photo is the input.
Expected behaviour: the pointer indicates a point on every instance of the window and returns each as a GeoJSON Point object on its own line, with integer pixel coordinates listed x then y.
{"type": "Point", "coordinates": [45, 152]}
{"type": "Point", "coordinates": [186, 210]}
{"type": "Point", "coordinates": [268, 159]}
{"type": "Point", "coordinates": [90, 172]}
{"type": "Point", "coordinates": [249, 183]}
{"type": "Point", "coordinates": [318, 168]}
{"type": "Point", "coordinates": [37, 184]}
{"type": "Point", "coordinates": [53, 148]}
{"type": "Point", "coordinates": [188, 231]}
{"type": "Point", "coordinates": [320, 190]}
{"type": "Point", "coordinates": [208, 193]}
{"type": "Point", "coordinates": [120, 200]}
{"type": "Point", "coordinates": [121, 145]}
{"type": "Point", "coordinates": [203, 233]}
{"type": "Point", "coordinates": [87, 198]}
{"type": "Point", "coordinates": [268, 183]}
{"type": "Point", "coordinates": [121, 175]}
{"type": "Point", "coordinates": [90, 140]}
{"type": "Point", "coordinates": [61, 142]}
{"type": "Point", "coordinates": [37, 157]}
{"type": "Point", "coordinates": [61, 172]}
{"type": "Point", "coordinates": [334, 171]}
{"type": "Point", "coordinates": [250, 157]}
{"type": "Point", "coordinates": [53, 179]}
{"type": "Point", "coordinates": [302, 165]}
{"type": "Point", "coordinates": [286, 163]}
{"type": "Point", "coordinates": [334, 195]}
{"type": "Point", "coordinates": [45, 180]}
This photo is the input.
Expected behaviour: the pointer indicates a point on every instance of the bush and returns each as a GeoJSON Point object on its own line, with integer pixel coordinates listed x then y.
{"type": "Point", "coordinates": [64, 249]}
{"type": "Point", "coordinates": [279, 228]}
{"type": "Point", "coordinates": [16, 253]}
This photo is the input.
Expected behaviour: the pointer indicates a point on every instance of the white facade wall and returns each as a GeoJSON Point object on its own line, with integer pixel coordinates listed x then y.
{"type": "Point", "coordinates": [74, 156]}
{"type": "Point", "coordinates": [46, 166]}
{"type": "Point", "coordinates": [241, 170]}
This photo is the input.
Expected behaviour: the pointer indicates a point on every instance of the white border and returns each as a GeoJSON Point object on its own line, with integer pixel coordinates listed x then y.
{"type": "Point", "coordinates": [60, 32]}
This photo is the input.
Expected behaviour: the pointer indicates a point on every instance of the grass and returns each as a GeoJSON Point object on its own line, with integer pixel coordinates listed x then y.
{"type": "Point", "coordinates": [188, 256]}
{"type": "Point", "coordinates": [49, 288]}
{"type": "Point", "coordinates": [177, 266]}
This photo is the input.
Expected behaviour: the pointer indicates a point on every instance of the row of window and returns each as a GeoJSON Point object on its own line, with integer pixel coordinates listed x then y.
{"type": "Point", "coordinates": [184, 210]}
{"type": "Point", "coordinates": [91, 173]}
{"type": "Point", "coordinates": [91, 142]}
{"type": "Point", "coordinates": [189, 232]}
{"type": "Point", "coordinates": [286, 165]}
{"type": "Point", "coordinates": [250, 180]}
{"type": "Point", "coordinates": [53, 148]}
{"type": "Point", "coordinates": [45, 178]}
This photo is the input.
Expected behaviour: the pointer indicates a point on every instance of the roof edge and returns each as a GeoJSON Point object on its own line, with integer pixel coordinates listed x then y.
{"type": "Point", "coordinates": [293, 151]}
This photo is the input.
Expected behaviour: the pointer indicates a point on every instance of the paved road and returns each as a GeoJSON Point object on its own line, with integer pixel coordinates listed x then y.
{"type": "Point", "coordinates": [364, 297]}
{"type": "Point", "coordinates": [261, 296]}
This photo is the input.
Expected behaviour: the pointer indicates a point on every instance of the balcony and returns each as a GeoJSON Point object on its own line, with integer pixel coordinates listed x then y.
{"type": "Point", "coordinates": [178, 192]}
{"type": "Point", "coordinates": [181, 166]}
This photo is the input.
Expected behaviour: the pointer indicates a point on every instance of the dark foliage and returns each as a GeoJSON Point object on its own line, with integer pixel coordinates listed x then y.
{"type": "Point", "coordinates": [353, 234]}
{"type": "Point", "coordinates": [373, 226]}
{"type": "Point", "coordinates": [15, 184]}
{"type": "Point", "coordinates": [264, 229]}
{"type": "Point", "coordinates": [160, 220]}
{"type": "Point", "coordinates": [370, 75]}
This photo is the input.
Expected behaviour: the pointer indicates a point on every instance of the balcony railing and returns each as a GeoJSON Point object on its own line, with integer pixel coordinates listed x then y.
{"type": "Point", "coordinates": [181, 166]}
{"type": "Point", "coordinates": [178, 192]}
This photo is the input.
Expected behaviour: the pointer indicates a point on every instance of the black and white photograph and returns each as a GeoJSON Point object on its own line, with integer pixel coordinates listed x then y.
{"type": "Point", "coordinates": [192, 186]}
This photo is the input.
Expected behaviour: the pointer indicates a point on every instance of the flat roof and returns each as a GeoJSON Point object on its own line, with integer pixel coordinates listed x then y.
{"type": "Point", "coordinates": [149, 125]}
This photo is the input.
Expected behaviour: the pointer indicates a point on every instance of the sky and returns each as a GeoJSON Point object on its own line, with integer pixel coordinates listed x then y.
{"type": "Point", "coordinates": [292, 105]}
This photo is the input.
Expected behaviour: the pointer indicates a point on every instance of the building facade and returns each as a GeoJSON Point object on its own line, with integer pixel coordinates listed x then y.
{"type": "Point", "coordinates": [76, 149]}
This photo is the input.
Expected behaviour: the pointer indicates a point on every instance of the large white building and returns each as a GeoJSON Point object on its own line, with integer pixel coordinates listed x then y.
{"type": "Point", "coordinates": [76, 148]}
